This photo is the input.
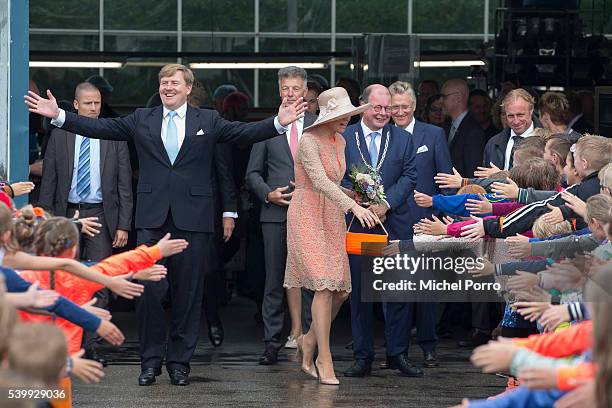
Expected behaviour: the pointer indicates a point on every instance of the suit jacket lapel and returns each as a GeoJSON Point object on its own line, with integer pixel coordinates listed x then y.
{"type": "Point", "coordinates": [286, 146]}
{"type": "Point", "coordinates": [70, 143]}
{"type": "Point", "coordinates": [192, 126]}
{"type": "Point", "coordinates": [385, 133]}
{"type": "Point", "coordinates": [104, 145]}
{"type": "Point", "coordinates": [155, 125]}
{"type": "Point", "coordinates": [363, 144]}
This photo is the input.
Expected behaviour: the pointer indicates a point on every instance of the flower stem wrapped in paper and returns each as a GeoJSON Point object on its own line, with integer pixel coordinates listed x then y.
{"type": "Point", "coordinates": [367, 182]}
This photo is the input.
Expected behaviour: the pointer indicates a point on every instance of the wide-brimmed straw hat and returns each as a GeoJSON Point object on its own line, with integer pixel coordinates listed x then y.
{"type": "Point", "coordinates": [335, 104]}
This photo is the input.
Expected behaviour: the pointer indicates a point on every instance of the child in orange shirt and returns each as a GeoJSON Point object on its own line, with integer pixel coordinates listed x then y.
{"type": "Point", "coordinates": [58, 237]}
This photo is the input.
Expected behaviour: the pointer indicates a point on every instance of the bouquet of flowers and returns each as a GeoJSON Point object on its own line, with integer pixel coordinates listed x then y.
{"type": "Point", "coordinates": [367, 182]}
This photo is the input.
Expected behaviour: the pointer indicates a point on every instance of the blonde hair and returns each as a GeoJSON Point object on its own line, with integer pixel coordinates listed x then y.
{"type": "Point", "coordinates": [557, 106]}
{"type": "Point", "coordinates": [24, 227]}
{"type": "Point", "coordinates": [472, 189]}
{"type": "Point", "coordinates": [515, 94]}
{"type": "Point", "coordinates": [598, 208]}
{"type": "Point", "coordinates": [171, 69]}
{"type": "Point", "coordinates": [54, 236]}
{"type": "Point", "coordinates": [605, 176]}
{"type": "Point", "coordinates": [542, 229]}
{"type": "Point", "coordinates": [38, 351]}
{"type": "Point", "coordinates": [597, 150]}
{"type": "Point", "coordinates": [402, 88]}
{"type": "Point", "coordinates": [542, 133]}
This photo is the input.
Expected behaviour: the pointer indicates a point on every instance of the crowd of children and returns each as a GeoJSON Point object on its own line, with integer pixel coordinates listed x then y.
{"type": "Point", "coordinates": [47, 303]}
{"type": "Point", "coordinates": [553, 213]}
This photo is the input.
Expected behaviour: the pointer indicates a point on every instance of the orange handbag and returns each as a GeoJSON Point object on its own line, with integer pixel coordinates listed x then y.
{"type": "Point", "coordinates": [360, 243]}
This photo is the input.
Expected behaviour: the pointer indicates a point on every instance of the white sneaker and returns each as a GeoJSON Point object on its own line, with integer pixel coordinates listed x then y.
{"type": "Point", "coordinates": [291, 342]}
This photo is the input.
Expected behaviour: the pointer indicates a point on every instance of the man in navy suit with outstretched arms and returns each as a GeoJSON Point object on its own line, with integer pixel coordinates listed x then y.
{"type": "Point", "coordinates": [175, 144]}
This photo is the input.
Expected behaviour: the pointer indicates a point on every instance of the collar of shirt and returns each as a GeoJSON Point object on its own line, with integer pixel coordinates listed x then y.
{"type": "Point", "coordinates": [526, 133]}
{"type": "Point", "coordinates": [459, 119]}
{"type": "Point", "coordinates": [300, 128]}
{"type": "Point", "coordinates": [410, 127]}
{"type": "Point", "coordinates": [367, 131]}
{"type": "Point", "coordinates": [181, 111]}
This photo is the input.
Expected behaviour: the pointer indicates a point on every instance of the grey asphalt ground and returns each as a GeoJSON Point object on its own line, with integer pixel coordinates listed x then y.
{"type": "Point", "coordinates": [229, 376]}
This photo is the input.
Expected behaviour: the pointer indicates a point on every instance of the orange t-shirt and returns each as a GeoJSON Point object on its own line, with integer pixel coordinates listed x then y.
{"type": "Point", "coordinates": [81, 291]}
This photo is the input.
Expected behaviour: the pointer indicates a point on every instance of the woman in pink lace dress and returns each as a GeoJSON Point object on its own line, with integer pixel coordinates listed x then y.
{"type": "Point", "coordinates": [316, 227]}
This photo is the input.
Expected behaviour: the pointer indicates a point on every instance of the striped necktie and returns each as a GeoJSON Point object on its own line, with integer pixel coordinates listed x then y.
{"type": "Point", "coordinates": [83, 170]}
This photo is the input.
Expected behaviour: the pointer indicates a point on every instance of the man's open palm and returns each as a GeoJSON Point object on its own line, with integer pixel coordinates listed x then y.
{"type": "Point", "coordinates": [42, 106]}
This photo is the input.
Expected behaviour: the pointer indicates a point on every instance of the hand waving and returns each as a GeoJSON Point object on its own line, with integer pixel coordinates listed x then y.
{"type": "Point", "coordinates": [44, 107]}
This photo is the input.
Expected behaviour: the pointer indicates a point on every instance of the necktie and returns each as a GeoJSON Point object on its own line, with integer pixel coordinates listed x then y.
{"type": "Point", "coordinates": [372, 149]}
{"type": "Point", "coordinates": [83, 171]}
{"type": "Point", "coordinates": [516, 140]}
{"type": "Point", "coordinates": [171, 138]}
{"type": "Point", "coordinates": [451, 134]}
{"type": "Point", "coordinates": [293, 139]}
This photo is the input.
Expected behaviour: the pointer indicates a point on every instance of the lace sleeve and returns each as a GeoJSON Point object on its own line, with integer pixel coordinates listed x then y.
{"type": "Point", "coordinates": [311, 161]}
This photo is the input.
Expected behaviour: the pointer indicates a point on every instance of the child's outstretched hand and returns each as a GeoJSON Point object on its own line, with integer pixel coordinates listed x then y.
{"type": "Point", "coordinates": [96, 311]}
{"type": "Point", "coordinates": [154, 273]}
{"type": "Point", "coordinates": [538, 378]}
{"type": "Point", "coordinates": [171, 247]}
{"type": "Point", "coordinates": [110, 333]}
{"type": "Point", "coordinates": [124, 288]}
{"type": "Point", "coordinates": [88, 371]}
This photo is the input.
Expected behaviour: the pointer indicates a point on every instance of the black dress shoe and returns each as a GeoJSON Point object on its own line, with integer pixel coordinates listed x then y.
{"type": "Point", "coordinates": [216, 333]}
{"type": "Point", "coordinates": [401, 363]}
{"type": "Point", "coordinates": [179, 376]}
{"type": "Point", "coordinates": [147, 376]}
{"type": "Point", "coordinates": [360, 368]}
{"type": "Point", "coordinates": [269, 356]}
{"type": "Point", "coordinates": [476, 339]}
{"type": "Point", "coordinates": [430, 360]}
{"type": "Point", "coordinates": [91, 354]}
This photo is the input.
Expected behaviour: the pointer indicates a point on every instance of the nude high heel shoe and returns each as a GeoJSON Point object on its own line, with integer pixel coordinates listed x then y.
{"type": "Point", "coordinates": [311, 371]}
{"type": "Point", "coordinates": [326, 381]}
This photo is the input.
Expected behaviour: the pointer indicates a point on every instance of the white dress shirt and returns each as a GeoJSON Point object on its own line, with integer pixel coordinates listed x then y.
{"type": "Point", "coordinates": [526, 133]}
{"type": "Point", "coordinates": [410, 127]}
{"type": "Point", "coordinates": [367, 133]}
{"type": "Point", "coordinates": [95, 178]}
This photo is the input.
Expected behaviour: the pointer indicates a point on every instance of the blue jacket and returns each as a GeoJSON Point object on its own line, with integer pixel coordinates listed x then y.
{"type": "Point", "coordinates": [63, 307]}
{"type": "Point", "coordinates": [432, 156]}
{"type": "Point", "coordinates": [455, 204]}
{"type": "Point", "coordinates": [398, 172]}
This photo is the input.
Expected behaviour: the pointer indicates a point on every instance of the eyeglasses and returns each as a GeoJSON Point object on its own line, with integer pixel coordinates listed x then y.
{"type": "Point", "coordinates": [380, 108]}
{"type": "Point", "coordinates": [449, 94]}
{"type": "Point", "coordinates": [313, 100]}
{"type": "Point", "coordinates": [397, 108]}
{"type": "Point", "coordinates": [435, 110]}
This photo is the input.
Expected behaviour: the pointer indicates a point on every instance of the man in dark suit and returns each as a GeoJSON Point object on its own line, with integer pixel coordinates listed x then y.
{"type": "Point", "coordinates": [518, 107]}
{"type": "Point", "coordinates": [92, 177]}
{"type": "Point", "coordinates": [390, 149]}
{"type": "Point", "coordinates": [466, 139]}
{"type": "Point", "coordinates": [269, 175]}
{"type": "Point", "coordinates": [175, 144]}
{"type": "Point", "coordinates": [432, 157]}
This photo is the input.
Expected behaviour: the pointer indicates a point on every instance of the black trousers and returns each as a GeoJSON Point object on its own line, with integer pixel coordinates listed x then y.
{"type": "Point", "coordinates": [184, 285]}
{"type": "Point", "coordinates": [94, 248]}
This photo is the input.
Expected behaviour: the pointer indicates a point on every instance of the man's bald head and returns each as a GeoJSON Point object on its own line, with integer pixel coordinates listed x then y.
{"type": "Point", "coordinates": [374, 89]}
{"type": "Point", "coordinates": [455, 97]}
